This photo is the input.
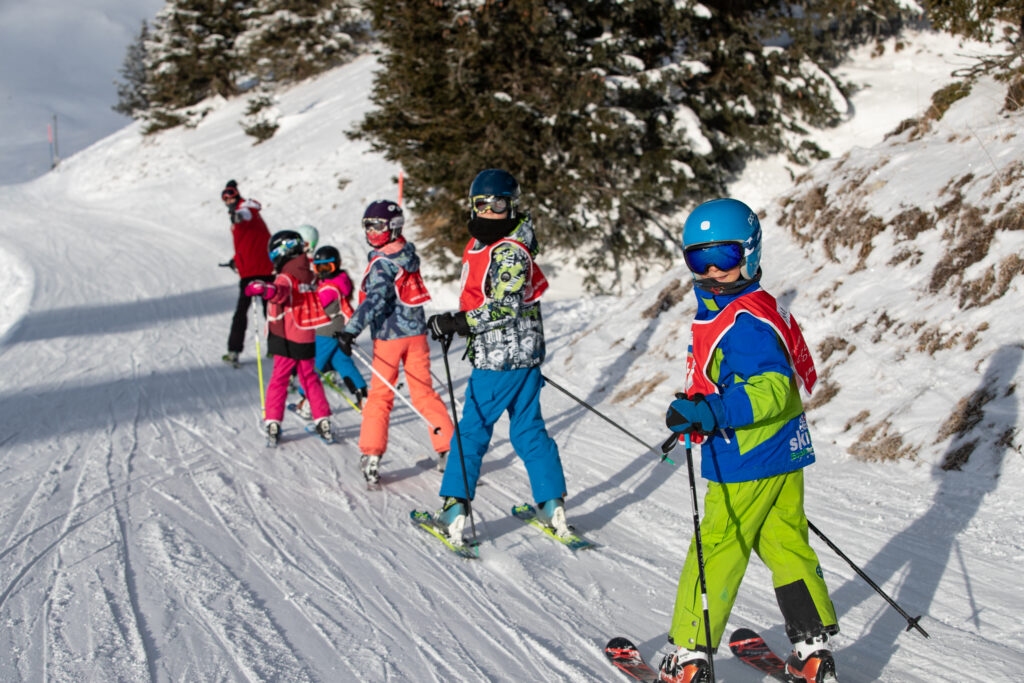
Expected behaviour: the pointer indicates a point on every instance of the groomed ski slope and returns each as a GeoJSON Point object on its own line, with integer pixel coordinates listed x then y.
{"type": "Point", "coordinates": [147, 534]}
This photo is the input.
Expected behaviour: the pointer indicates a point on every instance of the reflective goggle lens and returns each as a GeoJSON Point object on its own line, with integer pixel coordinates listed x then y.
{"type": "Point", "coordinates": [324, 266]}
{"type": "Point", "coordinates": [491, 203]}
{"type": "Point", "coordinates": [376, 224]}
{"type": "Point", "coordinates": [724, 256]}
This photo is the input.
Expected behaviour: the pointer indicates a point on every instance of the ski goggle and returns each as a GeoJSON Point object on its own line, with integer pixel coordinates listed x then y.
{"type": "Point", "coordinates": [721, 255]}
{"type": "Point", "coordinates": [485, 202]}
{"type": "Point", "coordinates": [285, 247]}
{"type": "Point", "coordinates": [377, 224]}
{"type": "Point", "coordinates": [324, 265]}
{"type": "Point", "coordinates": [229, 194]}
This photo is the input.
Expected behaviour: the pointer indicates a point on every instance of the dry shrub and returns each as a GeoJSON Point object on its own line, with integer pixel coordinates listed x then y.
{"type": "Point", "coordinates": [943, 98]}
{"type": "Point", "coordinates": [879, 444]}
{"type": "Point", "coordinates": [1014, 95]}
{"type": "Point", "coordinates": [639, 390]}
{"type": "Point", "coordinates": [992, 284]}
{"type": "Point", "coordinates": [824, 392]}
{"type": "Point", "coordinates": [955, 184]}
{"type": "Point", "coordinates": [914, 256]}
{"type": "Point", "coordinates": [958, 457]}
{"type": "Point", "coordinates": [911, 223]}
{"type": "Point", "coordinates": [1010, 176]}
{"type": "Point", "coordinates": [860, 417]}
{"type": "Point", "coordinates": [933, 339]}
{"type": "Point", "coordinates": [852, 229]}
{"type": "Point", "coordinates": [902, 126]}
{"type": "Point", "coordinates": [801, 213]}
{"type": "Point", "coordinates": [672, 294]}
{"type": "Point", "coordinates": [1010, 219]}
{"type": "Point", "coordinates": [966, 415]}
{"type": "Point", "coordinates": [973, 237]}
{"type": "Point", "coordinates": [830, 345]}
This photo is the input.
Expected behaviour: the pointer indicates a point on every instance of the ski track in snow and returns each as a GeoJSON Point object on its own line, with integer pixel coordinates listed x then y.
{"type": "Point", "coordinates": [146, 533]}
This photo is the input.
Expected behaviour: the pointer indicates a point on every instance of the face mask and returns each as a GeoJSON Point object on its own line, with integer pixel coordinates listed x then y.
{"type": "Point", "coordinates": [489, 231]}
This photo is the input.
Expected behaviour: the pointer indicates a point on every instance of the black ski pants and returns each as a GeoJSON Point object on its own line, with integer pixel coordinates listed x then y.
{"type": "Point", "coordinates": [236, 338]}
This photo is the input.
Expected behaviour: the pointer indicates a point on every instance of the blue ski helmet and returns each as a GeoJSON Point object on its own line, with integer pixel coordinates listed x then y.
{"type": "Point", "coordinates": [285, 245]}
{"type": "Point", "coordinates": [494, 182]}
{"type": "Point", "coordinates": [726, 221]}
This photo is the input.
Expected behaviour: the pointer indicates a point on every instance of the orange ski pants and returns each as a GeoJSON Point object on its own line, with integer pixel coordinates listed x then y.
{"type": "Point", "coordinates": [414, 354]}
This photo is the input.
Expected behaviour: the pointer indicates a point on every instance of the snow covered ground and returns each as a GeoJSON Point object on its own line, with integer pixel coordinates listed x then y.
{"type": "Point", "coordinates": [146, 533]}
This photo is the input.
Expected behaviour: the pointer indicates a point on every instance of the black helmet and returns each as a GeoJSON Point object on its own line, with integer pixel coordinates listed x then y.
{"type": "Point", "coordinates": [230, 192]}
{"type": "Point", "coordinates": [327, 261]}
{"type": "Point", "coordinates": [285, 245]}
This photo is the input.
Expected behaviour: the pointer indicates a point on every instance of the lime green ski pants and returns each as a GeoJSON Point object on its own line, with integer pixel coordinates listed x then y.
{"type": "Point", "coordinates": [766, 516]}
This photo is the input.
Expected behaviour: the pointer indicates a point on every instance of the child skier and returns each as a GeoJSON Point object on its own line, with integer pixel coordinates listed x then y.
{"type": "Point", "coordinates": [391, 298]}
{"type": "Point", "coordinates": [747, 358]}
{"type": "Point", "coordinates": [500, 312]}
{"type": "Point", "coordinates": [335, 291]}
{"type": "Point", "coordinates": [293, 314]}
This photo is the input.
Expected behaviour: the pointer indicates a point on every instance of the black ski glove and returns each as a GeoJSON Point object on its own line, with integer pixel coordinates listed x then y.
{"type": "Point", "coordinates": [345, 342]}
{"type": "Point", "coordinates": [447, 324]}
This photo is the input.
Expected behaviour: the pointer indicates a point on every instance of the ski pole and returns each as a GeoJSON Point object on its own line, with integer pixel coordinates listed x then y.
{"type": "Point", "coordinates": [259, 360]}
{"type": "Point", "coordinates": [344, 395]}
{"type": "Point", "coordinates": [445, 343]}
{"type": "Point", "coordinates": [358, 352]}
{"type": "Point", "coordinates": [438, 380]}
{"type": "Point", "coordinates": [912, 622]}
{"type": "Point", "coordinates": [700, 555]}
{"type": "Point", "coordinates": [602, 416]}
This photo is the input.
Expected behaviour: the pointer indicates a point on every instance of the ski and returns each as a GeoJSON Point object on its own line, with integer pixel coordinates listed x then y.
{"type": "Point", "coordinates": [326, 438]}
{"type": "Point", "coordinates": [425, 520]}
{"type": "Point", "coordinates": [623, 655]}
{"type": "Point", "coordinates": [294, 407]}
{"type": "Point", "coordinates": [752, 649]}
{"type": "Point", "coordinates": [528, 515]}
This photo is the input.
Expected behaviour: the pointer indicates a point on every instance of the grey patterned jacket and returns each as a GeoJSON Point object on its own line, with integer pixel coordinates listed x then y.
{"type": "Point", "coordinates": [505, 332]}
{"type": "Point", "coordinates": [387, 317]}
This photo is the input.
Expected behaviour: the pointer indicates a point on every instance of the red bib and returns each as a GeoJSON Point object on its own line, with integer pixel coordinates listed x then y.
{"type": "Point", "coordinates": [409, 287]}
{"type": "Point", "coordinates": [476, 265]}
{"type": "Point", "coordinates": [706, 334]}
{"type": "Point", "coordinates": [307, 313]}
{"type": "Point", "coordinates": [346, 307]}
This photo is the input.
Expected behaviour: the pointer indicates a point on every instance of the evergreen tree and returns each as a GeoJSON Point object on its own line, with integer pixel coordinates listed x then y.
{"type": "Point", "coordinates": [987, 21]}
{"type": "Point", "coordinates": [614, 115]}
{"type": "Point", "coordinates": [289, 40]}
{"type": "Point", "coordinates": [191, 55]}
{"type": "Point", "coordinates": [131, 93]}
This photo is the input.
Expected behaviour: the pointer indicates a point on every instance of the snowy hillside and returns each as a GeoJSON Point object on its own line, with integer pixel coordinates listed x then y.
{"type": "Point", "coordinates": [146, 533]}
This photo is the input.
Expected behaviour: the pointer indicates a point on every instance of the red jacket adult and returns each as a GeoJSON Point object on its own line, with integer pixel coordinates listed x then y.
{"type": "Point", "coordinates": [251, 237]}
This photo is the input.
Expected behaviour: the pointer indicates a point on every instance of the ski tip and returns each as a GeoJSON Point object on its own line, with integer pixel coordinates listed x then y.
{"type": "Point", "coordinates": [620, 643]}
{"type": "Point", "coordinates": [743, 634]}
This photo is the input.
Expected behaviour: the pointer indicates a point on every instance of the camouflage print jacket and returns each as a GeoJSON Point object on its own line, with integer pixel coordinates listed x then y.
{"type": "Point", "coordinates": [505, 332]}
